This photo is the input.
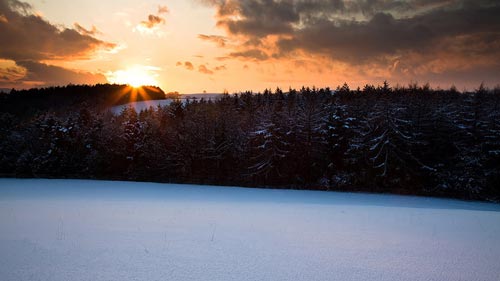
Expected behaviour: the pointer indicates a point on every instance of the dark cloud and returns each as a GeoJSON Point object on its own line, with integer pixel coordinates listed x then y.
{"type": "Point", "coordinates": [328, 27]}
{"type": "Point", "coordinates": [21, 7]}
{"type": "Point", "coordinates": [367, 32]}
{"type": "Point", "coordinates": [385, 35]}
{"type": "Point", "coordinates": [262, 18]}
{"type": "Point", "coordinates": [28, 39]}
{"type": "Point", "coordinates": [55, 75]}
{"type": "Point", "coordinates": [250, 54]}
{"type": "Point", "coordinates": [26, 74]}
{"type": "Point", "coordinates": [25, 36]}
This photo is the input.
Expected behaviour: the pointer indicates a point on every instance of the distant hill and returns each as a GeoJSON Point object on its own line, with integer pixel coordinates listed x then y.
{"type": "Point", "coordinates": [5, 90]}
{"type": "Point", "coordinates": [55, 99]}
{"type": "Point", "coordinates": [205, 96]}
{"type": "Point", "coordinates": [139, 106]}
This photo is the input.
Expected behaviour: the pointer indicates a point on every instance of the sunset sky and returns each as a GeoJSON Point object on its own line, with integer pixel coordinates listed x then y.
{"type": "Point", "coordinates": [214, 45]}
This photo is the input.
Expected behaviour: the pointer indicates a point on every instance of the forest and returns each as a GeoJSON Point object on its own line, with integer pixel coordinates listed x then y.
{"type": "Point", "coordinates": [404, 140]}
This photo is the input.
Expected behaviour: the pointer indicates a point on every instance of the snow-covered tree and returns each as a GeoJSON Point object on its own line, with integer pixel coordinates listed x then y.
{"type": "Point", "coordinates": [269, 147]}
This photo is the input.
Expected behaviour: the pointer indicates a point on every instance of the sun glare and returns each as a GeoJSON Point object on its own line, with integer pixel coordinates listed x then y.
{"type": "Point", "coordinates": [135, 77]}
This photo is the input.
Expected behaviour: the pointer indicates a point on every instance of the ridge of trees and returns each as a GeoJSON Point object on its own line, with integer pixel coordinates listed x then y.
{"type": "Point", "coordinates": [65, 98]}
{"type": "Point", "coordinates": [405, 140]}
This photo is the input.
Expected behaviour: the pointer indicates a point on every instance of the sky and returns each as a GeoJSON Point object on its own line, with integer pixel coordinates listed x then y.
{"type": "Point", "coordinates": [193, 46]}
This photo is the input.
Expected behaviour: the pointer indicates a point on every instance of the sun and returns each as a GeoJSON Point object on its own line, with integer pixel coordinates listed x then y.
{"type": "Point", "coordinates": [135, 76]}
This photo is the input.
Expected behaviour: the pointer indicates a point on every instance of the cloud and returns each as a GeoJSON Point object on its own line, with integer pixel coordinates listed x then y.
{"type": "Point", "coordinates": [27, 39]}
{"type": "Point", "coordinates": [384, 35]}
{"type": "Point", "coordinates": [10, 72]}
{"type": "Point", "coordinates": [55, 75]}
{"type": "Point", "coordinates": [153, 22]}
{"type": "Point", "coordinates": [188, 65]}
{"type": "Point", "coordinates": [89, 32]}
{"type": "Point", "coordinates": [220, 67]}
{"type": "Point", "coordinates": [203, 69]}
{"type": "Point", "coordinates": [328, 27]}
{"type": "Point", "coordinates": [163, 10]}
{"type": "Point", "coordinates": [222, 58]}
{"type": "Point", "coordinates": [362, 34]}
{"type": "Point", "coordinates": [25, 74]}
{"type": "Point", "coordinates": [219, 40]}
{"type": "Point", "coordinates": [21, 7]}
{"type": "Point", "coordinates": [26, 36]}
{"type": "Point", "coordinates": [250, 54]}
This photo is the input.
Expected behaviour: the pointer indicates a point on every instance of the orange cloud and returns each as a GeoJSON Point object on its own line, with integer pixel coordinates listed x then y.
{"type": "Point", "coordinates": [163, 10]}
{"type": "Point", "coordinates": [152, 21]}
{"type": "Point", "coordinates": [90, 32]}
{"type": "Point", "coordinates": [219, 40]}
{"type": "Point", "coordinates": [152, 24]}
{"type": "Point", "coordinates": [203, 69]}
{"type": "Point", "coordinates": [188, 65]}
{"type": "Point", "coordinates": [220, 67]}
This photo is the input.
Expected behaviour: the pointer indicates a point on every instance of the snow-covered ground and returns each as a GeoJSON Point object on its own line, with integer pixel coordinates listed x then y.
{"type": "Point", "coordinates": [100, 230]}
{"type": "Point", "coordinates": [142, 105]}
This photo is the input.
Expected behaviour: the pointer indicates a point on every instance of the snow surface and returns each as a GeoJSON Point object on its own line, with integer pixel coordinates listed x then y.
{"type": "Point", "coordinates": [141, 105]}
{"type": "Point", "coordinates": [102, 230]}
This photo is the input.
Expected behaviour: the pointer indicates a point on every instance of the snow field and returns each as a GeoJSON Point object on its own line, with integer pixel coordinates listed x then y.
{"type": "Point", "coordinates": [102, 230]}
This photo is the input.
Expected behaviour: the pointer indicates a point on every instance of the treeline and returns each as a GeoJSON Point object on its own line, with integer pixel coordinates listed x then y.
{"type": "Point", "coordinates": [405, 140]}
{"type": "Point", "coordinates": [66, 98]}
